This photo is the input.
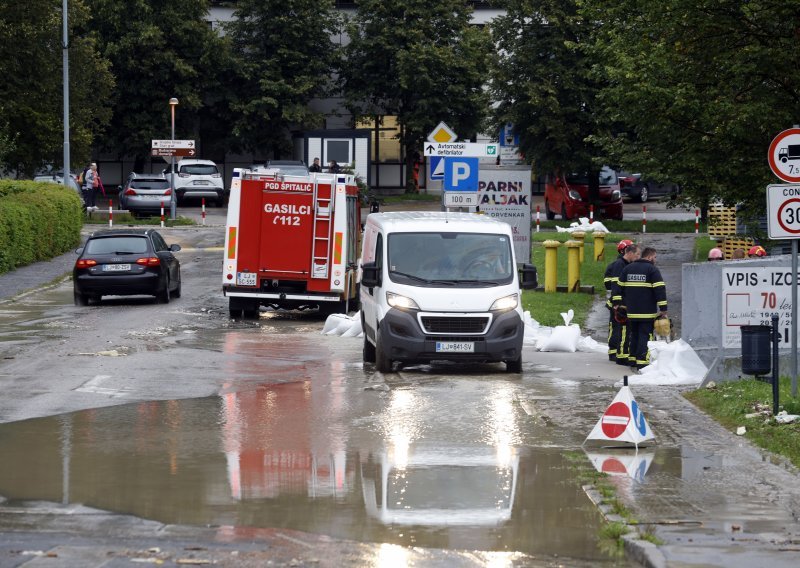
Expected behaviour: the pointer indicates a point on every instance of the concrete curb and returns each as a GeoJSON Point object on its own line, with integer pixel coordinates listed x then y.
{"type": "Point", "coordinates": [643, 552]}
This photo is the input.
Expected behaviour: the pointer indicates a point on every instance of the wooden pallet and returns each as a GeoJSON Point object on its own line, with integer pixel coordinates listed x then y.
{"type": "Point", "coordinates": [730, 243]}
{"type": "Point", "coordinates": [721, 221]}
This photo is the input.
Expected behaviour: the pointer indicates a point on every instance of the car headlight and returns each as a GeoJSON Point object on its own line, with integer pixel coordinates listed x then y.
{"type": "Point", "coordinates": [615, 195]}
{"type": "Point", "coordinates": [505, 303]}
{"type": "Point", "coordinates": [400, 302]}
{"type": "Point", "coordinates": [574, 195]}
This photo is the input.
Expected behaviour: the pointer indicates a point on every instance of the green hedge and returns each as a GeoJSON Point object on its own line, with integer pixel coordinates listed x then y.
{"type": "Point", "coordinates": [37, 222]}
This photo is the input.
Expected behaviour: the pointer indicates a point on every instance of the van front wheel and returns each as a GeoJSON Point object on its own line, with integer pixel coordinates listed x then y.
{"type": "Point", "coordinates": [382, 361]}
{"type": "Point", "coordinates": [514, 366]}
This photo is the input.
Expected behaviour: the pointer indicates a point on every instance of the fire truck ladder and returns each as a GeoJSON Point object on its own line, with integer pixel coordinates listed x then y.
{"type": "Point", "coordinates": [323, 225]}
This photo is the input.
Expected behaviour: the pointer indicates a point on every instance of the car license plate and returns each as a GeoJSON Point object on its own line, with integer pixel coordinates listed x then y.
{"type": "Point", "coordinates": [455, 347]}
{"type": "Point", "coordinates": [116, 267]}
{"type": "Point", "coordinates": [201, 182]}
{"type": "Point", "coordinates": [246, 278]}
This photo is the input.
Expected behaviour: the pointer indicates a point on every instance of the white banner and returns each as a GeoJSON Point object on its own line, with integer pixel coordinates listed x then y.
{"type": "Point", "coordinates": [505, 194]}
{"type": "Point", "coordinates": [750, 296]}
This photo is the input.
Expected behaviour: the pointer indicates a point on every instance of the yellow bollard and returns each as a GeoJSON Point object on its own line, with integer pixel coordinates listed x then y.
{"type": "Point", "coordinates": [573, 266]}
{"type": "Point", "coordinates": [551, 265]}
{"type": "Point", "coordinates": [599, 246]}
{"type": "Point", "coordinates": [580, 236]}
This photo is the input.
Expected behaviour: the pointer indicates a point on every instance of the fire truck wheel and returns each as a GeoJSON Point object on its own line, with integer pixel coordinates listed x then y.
{"type": "Point", "coordinates": [369, 351]}
{"type": "Point", "coordinates": [235, 308]}
{"type": "Point", "coordinates": [251, 311]}
{"type": "Point", "coordinates": [382, 362]}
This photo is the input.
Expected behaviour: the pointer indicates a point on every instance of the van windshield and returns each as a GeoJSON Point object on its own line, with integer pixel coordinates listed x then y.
{"type": "Point", "coordinates": [449, 259]}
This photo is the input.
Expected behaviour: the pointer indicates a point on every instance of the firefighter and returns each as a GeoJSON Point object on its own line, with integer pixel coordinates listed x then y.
{"type": "Point", "coordinates": [716, 254]}
{"type": "Point", "coordinates": [611, 283]}
{"type": "Point", "coordinates": [644, 295]}
{"type": "Point", "coordinates": [756, 251]}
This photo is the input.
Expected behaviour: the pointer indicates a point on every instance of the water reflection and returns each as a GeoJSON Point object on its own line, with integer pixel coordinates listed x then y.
{"type": "Point", "coordinates": [310, 451]}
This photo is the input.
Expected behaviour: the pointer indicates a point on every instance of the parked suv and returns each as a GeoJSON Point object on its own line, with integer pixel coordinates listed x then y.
{"type": "Point", "coordinates": [197, 179]}
{"type": "Point", "coordinates": [144, 193]}
{"type": "Point", "coordinates": [568, 196]}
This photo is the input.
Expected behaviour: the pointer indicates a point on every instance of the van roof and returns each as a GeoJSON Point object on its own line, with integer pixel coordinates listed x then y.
{"type": "Point", "coordinates": [437, 221]}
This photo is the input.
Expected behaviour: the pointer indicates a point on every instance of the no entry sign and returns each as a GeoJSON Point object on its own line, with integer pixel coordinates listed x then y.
{"type": "Point", "coordinates": [616, 419]}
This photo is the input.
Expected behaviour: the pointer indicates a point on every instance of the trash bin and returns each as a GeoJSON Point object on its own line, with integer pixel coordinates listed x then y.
{"type": "Point", "coordinates": [756, 357]}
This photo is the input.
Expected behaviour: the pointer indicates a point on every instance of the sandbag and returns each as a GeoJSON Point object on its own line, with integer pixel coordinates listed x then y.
{"type": "Point", "coordinates": [563, 338]}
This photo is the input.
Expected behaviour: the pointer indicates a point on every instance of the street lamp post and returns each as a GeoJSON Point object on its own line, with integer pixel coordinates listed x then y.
{"type": "Point", "coordinates": [173, 102]}
{"type": "Point", "coordinates": [65, 86]}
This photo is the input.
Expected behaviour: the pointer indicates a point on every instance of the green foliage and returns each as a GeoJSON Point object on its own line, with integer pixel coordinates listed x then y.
{"type": "Point", "coordinates": [31, 92]}
{"type": "Point", "coordinates": [729, 402]}
{"type": "Point", "coordinates": [158, 50]}
{"type": "Point", "coordinates": [284, 56]}
{"type": "Point", "coordinates": [420, 61]}
{"type": "Point", "coordinates": [545, 83]}
{"type": "Point", "coordinates": [37, 221]}
{"type": "Point", "coordinates": [698, 90]}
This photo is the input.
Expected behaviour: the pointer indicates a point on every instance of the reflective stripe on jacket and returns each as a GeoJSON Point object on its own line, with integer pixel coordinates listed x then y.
{"type": "Point", "coordinates": [611, 281]}
{"type": "Point", "coordinates": [643, 290]}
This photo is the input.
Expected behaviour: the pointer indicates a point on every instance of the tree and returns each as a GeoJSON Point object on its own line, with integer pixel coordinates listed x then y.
{"type": "Point", "coordinates": [543, 82]}
{"type": "Point", "coordinates": [284, 57]}
{"type": "Point", "coordinates": [158, 50]}
{"type": "Point", "coordinates": [31, 111]}
{"type": "Point", "coordinates": [700, 89]}
{"type": "Point", "coordinates": [420, 61]}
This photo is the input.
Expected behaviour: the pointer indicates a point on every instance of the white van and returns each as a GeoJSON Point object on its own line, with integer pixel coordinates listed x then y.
{"type": "Point", "coordinates": [441, 286]}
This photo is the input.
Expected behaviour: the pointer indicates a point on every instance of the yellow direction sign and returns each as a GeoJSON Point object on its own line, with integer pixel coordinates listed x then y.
{"type": "Point", "coordinates": [442, 134]}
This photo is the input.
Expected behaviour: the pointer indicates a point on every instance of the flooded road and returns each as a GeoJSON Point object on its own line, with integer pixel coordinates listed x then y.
{"type": "Point", "coordinates": [432, 460]}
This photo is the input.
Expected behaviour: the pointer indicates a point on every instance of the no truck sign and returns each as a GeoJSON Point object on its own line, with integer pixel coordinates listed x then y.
{"type": "Point", "coordinates": [784, 155]}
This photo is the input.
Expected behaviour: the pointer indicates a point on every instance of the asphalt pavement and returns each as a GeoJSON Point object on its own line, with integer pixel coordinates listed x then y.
{"type": "Point", "coordinates": [731, 505]}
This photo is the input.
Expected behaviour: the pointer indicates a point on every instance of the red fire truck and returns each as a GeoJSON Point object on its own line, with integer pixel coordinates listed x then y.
{"type": "Point", "coordinates": [291, 242]}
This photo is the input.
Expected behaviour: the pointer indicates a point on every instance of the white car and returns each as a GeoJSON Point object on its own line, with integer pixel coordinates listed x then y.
{"type": "Point", "coordinates": [198, 179]}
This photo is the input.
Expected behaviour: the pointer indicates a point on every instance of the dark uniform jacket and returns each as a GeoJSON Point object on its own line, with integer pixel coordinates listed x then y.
{"type": "Point", "coordinates": [643, 290]}
{"type": "Point", "coordinates": [611, 281]}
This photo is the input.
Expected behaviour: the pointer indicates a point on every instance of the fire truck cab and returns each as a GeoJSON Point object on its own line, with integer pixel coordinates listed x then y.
{"type": "Point", "coordinates": [291, 242]}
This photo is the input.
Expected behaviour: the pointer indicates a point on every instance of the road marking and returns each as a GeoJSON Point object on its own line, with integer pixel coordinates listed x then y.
{"type": "Point", "coordinates": [93, 386]}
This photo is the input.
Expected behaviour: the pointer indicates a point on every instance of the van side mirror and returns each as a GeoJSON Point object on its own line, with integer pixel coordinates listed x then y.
{"type": "Point", "coordinates": [370, 275]}
{"type": "Point", "coordinates": [529, 279]}
{"type": "Point", "coordinates": [174, 248]}
{"type": "Point", "coordinates": [374, 207]}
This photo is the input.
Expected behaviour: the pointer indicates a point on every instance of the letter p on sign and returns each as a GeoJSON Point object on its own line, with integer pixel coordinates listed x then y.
{"type": "Point", "coordinates": [461, 174]}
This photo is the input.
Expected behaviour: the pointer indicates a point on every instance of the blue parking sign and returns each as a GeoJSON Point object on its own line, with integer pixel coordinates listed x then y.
{"type": "Point", "coordinates": [461, 174]}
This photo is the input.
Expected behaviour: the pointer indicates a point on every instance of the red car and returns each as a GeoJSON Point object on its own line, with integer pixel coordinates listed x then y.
{"type": "Point", "coordinates": [568, 196]}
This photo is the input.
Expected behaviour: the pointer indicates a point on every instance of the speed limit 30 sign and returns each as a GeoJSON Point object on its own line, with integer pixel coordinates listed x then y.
{"type": "Point", "coordinates": [783, 211]}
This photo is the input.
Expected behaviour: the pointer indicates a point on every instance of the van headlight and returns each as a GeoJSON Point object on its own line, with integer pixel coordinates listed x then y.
{"type": "Point", "coordinates": [505, 304]}
{"type": "Point", "coordinates": [400, 302]}
{"type": "Point", "coordinates": [615, 195]}
{"type": "Point", "coordinates": [574, 195]}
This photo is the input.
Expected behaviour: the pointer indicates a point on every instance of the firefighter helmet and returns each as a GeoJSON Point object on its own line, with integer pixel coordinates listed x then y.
{"type": "Point", "coordinates": [623, 244]}
{"type": "Point", "coordinates": [715, 254]}
{"type": "Point", "coordinates": [757, 251]}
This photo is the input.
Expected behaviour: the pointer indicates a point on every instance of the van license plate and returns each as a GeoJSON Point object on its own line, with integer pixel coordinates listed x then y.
{"type": "Point", "coordinates": [246, 278]}
{"type": "Point", "coordinates": [455, 347]}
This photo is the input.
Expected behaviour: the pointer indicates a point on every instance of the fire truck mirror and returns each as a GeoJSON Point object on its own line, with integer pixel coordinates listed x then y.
{"type": "Point", "coordinates": [370, 275]}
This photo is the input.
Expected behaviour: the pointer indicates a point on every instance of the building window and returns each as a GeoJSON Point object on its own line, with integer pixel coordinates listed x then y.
{"type": "Point", "coordinates": [385, 136]}
{"type": "Point", "coordinates": [339, 150]}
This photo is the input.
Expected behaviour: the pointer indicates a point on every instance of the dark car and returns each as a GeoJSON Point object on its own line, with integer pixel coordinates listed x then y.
{"type": "Point", "coordinates": [634, 187]}
{"type": "Point", "coordinates": [126, 262]}
{"type": "Point", "coordinates": [568, 196]}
